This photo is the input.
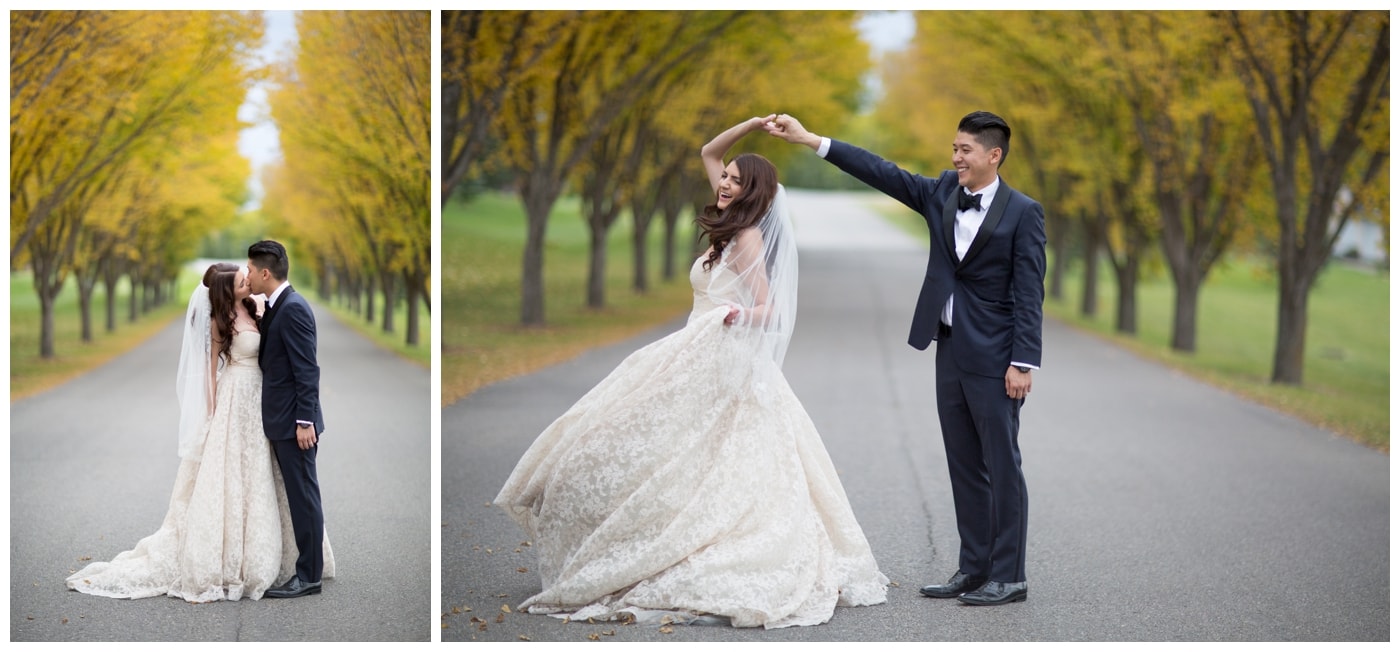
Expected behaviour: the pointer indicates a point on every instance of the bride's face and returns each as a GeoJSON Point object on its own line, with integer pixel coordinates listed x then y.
{"type": "Point", "coordinates": [241, 289]}
{"type": "Point", "coordinates": [729, 187]}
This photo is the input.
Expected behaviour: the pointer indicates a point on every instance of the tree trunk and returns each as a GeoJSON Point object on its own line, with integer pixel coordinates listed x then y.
{"type": "Point", "coordinates": [1188, 290]}
{"type": "Point", "coordinates": [110, 277]}
{"type": "Point", "coordinates": [45, 324]}
{"type": "Point", "coordinates": [413, 287]}
{"type": "Point", "coordinates": [537, 207]}
{"type": "Point", "coordinates": [387, 281]}
{"type": "Point", "coordinates": [134, 299]}
{"type": "Point", "coordinates": [1127, 275]}
{"type": "Point", "coordinates": [597, 263]}
{"type": "Point", "coordinates": [370, 292]}
{"type": "Point", "coordinates": [1093, 241]}
{"type": "Point", "coordinates": [86, 284]}
{"type": "Point", "coordinates": [1292, 330]}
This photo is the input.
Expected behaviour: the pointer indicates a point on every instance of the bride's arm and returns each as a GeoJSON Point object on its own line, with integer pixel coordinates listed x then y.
{"type": "Point", "coordinates": [749, 263]}
{"type": "Point", "coordinates": [215, 343]}
{"type": "Point", "coordinates": [713, 152]}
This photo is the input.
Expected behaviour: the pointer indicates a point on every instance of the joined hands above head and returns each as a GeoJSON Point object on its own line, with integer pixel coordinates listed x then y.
{"type": "Point", "coordinates": [788, 128]}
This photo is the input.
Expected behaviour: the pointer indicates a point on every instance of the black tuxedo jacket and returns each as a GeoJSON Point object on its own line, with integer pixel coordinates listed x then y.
{"type": "Point", "coordinates": [998, 287]}
{"type": "Point", "coordinates": [291, 377]}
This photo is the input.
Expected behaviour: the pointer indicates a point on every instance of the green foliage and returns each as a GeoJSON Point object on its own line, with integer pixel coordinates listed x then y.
{"type": "Point", "coordinates": [481, 339]}
{"type": "Point", "coordinates": [30, 373]}
{"type": "Point", "coordinates": [1348, 345]}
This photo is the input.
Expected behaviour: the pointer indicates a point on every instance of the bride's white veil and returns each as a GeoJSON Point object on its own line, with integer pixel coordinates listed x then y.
{"type": "Point", "coordinates": [763, 281]}
{"type": "Point", "coordinates": [192, 376]}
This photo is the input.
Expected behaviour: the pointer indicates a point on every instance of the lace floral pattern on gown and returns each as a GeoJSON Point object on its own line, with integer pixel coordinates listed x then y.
{"type": "Point", "coordinates": [227, 533]}
{"type": "Point", "coordinates": [691, 482]}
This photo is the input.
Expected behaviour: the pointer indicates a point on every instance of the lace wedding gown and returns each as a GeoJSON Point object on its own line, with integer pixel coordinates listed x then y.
{"type": "Point", "coordinates": [228, 533]}
{"type": "Point", "coordinates": [690, 482]}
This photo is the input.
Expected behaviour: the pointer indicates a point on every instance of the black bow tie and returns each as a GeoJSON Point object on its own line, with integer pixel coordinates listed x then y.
{"type": "Point", "coordinates": [966, 201]}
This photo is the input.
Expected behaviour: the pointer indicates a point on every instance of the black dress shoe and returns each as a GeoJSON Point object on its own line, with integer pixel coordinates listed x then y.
{"type": "Point", "coordinates": [995, 593]}
{"type": "Point", "coordinates": [294, 588]}
{"type": "Point", "coordinates": [956, 585]}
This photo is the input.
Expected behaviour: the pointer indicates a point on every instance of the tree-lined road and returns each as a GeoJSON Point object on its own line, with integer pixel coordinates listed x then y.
{"type": "Point", "coordinates": [92, 465]}
{"type": "Point", "coordinates": [1161, 508]}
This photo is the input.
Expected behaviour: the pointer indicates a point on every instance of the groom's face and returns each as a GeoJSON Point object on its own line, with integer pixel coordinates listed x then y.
{"type": "Point", "coordinates": [976, 165]}
{"type": "Point", "coordinates": [257, 278]}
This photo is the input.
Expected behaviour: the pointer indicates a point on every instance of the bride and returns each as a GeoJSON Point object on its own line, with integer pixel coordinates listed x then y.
{"type": "Point", "coordinates": [227, 534]}
{"type": "Point", "coordinates": [690, 483]}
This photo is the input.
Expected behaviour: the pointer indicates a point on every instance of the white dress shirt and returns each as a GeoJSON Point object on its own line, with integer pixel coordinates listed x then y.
{"type": "Point", "coordinates": [272, 298]}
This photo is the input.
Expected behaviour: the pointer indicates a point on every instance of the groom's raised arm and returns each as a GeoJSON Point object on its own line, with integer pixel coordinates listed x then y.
{"type": "Point", "coordinates": [912, 190]}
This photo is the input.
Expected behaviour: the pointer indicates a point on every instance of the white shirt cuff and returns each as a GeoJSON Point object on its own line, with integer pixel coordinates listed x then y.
{"type": "Point", "coordinates": [1022, 364]}
{"type": "Point", "coordinates": [825, 147]}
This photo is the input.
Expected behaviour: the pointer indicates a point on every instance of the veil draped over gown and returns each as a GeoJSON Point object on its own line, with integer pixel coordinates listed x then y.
{"type": "Point", "coordinates": [227, 533]}
{"type": "Point", "coordinates": [690, 482]}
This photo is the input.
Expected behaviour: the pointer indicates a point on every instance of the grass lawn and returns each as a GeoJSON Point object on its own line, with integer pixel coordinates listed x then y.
{"type": "Point", "coordinates": [31, 374]}
{"type": "Point", "coordinates": [1346, 373]}
{"type": "Point", "coordinates": [482, 245]}
{"type": "Point", "coordinates": [422, 353]}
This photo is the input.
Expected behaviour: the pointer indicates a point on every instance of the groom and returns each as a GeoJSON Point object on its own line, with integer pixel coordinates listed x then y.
{"type": "Point", "coordinates": [291, 406]}
{"type": "Point", "coordinates": [981, 299]}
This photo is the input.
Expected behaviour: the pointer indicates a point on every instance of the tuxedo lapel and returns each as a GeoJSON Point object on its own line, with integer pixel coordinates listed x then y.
{"type": "Point", "coordinates": [950, 217]}
{"type": "Point", "coordinates": [265, 326]}
{"type": "Point", "coordinates": [994, 215]}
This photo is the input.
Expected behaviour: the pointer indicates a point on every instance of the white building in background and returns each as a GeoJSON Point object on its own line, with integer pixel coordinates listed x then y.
{"type": "Point", "coordinates": [1361, 240]}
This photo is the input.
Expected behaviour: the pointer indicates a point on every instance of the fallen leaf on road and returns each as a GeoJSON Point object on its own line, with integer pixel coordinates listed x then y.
{"type": "Point", "coordinates": [667, 629]}
{"type": "Point", "coordinates": [505, 608]}
{"type": "Point", "coordinates": [525, 543]}
{"type": "Point", "coordinates": [444, 625]}
{"type": "Point", "coordinates": [84, 558]}
{"type": "Point", "coordinates": [894, 584]}
{"type": "Point", "coordinates": [29, 618]}
{"type": "Point", "coordinates": [611, 632]}
{"type": "Point", "coordinates": [524, 637]}
{"type": "Point", "coordinates": [522, 569]}
{"type": "Point", "coordinates": [64, 621]}
{"type": "Point", "coordinates": [594, 637]}
{"type": "Point", "coordinates": [500, 618]}
{"type": "Point", "coordinates": [517, 550]}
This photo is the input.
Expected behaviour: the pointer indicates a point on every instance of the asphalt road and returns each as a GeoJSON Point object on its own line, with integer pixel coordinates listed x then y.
{"type": "Point", "coordinates": [1161, 509]}
{"type": "Point", "coordinates": [92, 465]}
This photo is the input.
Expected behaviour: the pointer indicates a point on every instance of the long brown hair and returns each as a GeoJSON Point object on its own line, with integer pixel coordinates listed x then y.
{"type": "Point", "coordinates": [758, 178]}
{"type": "Point", "coordinates": [220, 278]}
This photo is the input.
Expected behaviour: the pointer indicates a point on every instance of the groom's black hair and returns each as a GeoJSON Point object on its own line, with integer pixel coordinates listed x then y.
{"type": "Point", "coordinates": [989, 130]}
{"type": "Point", "coordinates": [271, 256]}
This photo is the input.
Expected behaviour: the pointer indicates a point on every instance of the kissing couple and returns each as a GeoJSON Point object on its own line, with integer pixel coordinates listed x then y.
{"type": "Point", "coordinates": [245, 516]}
